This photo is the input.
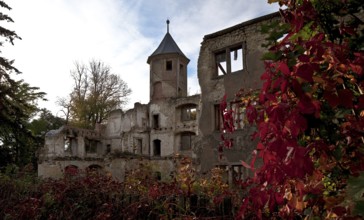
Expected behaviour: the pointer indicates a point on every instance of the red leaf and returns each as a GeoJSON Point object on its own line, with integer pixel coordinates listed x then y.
{"type": "Point", "coordinates": [361, 102]}
{"type": "Point", "coordinates": [356, 68]}
{"type": "Point", "coordinates": [346, 98]}
{"type": "Point", "coordinates": [331, 98]}
{"type": "Point", "coordinates": [268, 156]}
{"type": "Point", "coordinates": [304, 58]}
{"type": "Point", "coordinates": [260, 146]}
{"type": "Point", "coordinates": [284, 86]}
{"type": "Point", "coordinates": [246, 165]}
{"type": "Point", "coordinates": [297, 88]}
{"type": "Point", "coordinates": [284, 68]}
{"type": "Point", "coordinates": [306, 105]}
{"type": "Point", "coordinates": [251, 114]}
{"type": "Point", "coordinates": [305, 71]}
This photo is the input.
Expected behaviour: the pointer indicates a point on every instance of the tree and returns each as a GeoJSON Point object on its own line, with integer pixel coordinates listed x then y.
{"type": "Point", "coordinates": [45, 122]}
{"type": "Point", "coordinates": [96, 92]}
{"type": "Point", "coordinates": [309, 114]}
{"type": "Point", "coordinates": [17, 104]}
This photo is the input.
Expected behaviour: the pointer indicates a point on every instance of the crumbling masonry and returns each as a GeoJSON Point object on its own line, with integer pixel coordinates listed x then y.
{"type": "Point", "coordinates": [172, 123]}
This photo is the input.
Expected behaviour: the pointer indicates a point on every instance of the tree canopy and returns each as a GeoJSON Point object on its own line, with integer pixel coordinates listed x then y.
{"type": "Point", "coordinates": [18, 102]}
{"type": "Point", "coordinates": [96, 92]}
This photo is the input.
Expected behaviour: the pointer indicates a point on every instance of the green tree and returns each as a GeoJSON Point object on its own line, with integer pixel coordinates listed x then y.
{"type": "Point", "coordinates": [17, 104]}
{"type": "Point", "coordinates": [96, 92]}
{"type": "Point", "coordinates": [44, 122]}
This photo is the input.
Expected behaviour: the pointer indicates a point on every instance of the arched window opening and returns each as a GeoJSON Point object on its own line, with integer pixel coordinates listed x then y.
{"type": "Point", "coordinates": [71, 170]}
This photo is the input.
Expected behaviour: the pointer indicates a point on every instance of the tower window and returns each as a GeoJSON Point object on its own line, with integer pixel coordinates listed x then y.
{"type": "Point", "coordinates": [169, 65]}
{"type": "Point", "coordinates": [156, 121]}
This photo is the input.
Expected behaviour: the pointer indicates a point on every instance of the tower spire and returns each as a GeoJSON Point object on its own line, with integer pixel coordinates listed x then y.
{"type": "Point", "coordinates": [167, 25]}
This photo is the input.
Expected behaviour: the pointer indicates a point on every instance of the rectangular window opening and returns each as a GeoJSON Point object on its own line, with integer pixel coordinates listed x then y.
{"type": "Point", "coordinates": [138, 146]}
{"type": "Point", "coordinates": [238, 114]}
{"type": "Point", "coordinates": [230, 60]}
{"type": "Point", "coordinates": [91, 146]}
{"type": "Point", "coordinates": [169, 65]}
{"type": "Point", "coordinates": [157, 148]}
{"type": "Point", "coordinates": [186, 141]}
{"type": "Point", "coordinates": [221, 63]}
{"type": "Point", "coordinates": [236, 58]}
{"type": "Point", "coordinates": [218, 117]}
{"type": "Point", "coordinates": [155, 121]}
{"type": "Point", "coordinates": [189, 113]}
{"type": "Point", "coordinates": [68, 145]}
{"type": "Point", "coordinates": [108, 149]}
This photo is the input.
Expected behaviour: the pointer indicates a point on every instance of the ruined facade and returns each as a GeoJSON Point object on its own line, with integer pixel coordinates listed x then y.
{"type": "Point", "coordinates": [172, 123]}
{"type": "Point", "coordinates": [229, 60]}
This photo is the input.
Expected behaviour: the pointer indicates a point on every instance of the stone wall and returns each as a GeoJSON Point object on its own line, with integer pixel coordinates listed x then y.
{"type": "Point", "coordinates": [219, 48]}
{"type": "Point", "coordinates": [116, 167]}
{"type": "Point", "coordinates": [172, 124]}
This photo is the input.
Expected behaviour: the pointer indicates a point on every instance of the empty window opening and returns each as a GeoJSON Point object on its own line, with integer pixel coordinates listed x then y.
{"type": "Point", "coordinates": [91, 146]}
{"type": "Point", "coordinates": [157, 147]}
{"type": "Point", "coordinates": [238, 112]}
{"type": "Point", "coordinates": [221, 63]}
{"type": "Point", "coordinates": [67, 145]}
{"type": "Point", "coordinates": [158, 175]}
{"type": "Point", "coordinates": [236, 58]}
{"type": "Point", "coordinates": [94, 168]}
{"type": "Point", "coordinates": [138, 146]}
{"type": "Point", "coordinates": [181, 68]}
{"type": "Point", "coordinates": [71, 170]}
{"type": "Point", "coordinates": [169, 65]}
{"type": "Point", "coordinates": [155, 121]}
{"type": "Point", "coordinates": [230, 60]}
{"type": "Point", "coordinates": [187, 140]}
{"type": "Point", "coordinates": [217, 118]}
{"type": "Point", "coordinates": [238, 173]}
{"type": "Point", "coordinates": [108, 148]}
{"type": "Point", "coordinates": [189, 113]}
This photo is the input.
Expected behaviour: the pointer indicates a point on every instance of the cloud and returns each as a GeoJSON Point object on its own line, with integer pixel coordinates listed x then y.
{"type": "Point", "coordinates": [121, 33]}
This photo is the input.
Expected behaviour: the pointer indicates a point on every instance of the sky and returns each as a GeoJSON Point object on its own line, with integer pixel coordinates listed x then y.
{"type": "Point", "coordinates": [121, 33]}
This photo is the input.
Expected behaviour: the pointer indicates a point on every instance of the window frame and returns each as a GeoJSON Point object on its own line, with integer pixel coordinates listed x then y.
{"type": "Point", "coordinates": [191, 136]}
{"type": "Point", "coordinates": [187, 113]}
{"type": "Point", "coordinates": [223, 57]}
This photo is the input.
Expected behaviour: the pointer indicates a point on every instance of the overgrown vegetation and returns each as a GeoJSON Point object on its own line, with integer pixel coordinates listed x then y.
{"type": "Point", "coordinates": [309, 115]}
{"type": "Point", "coordinates": [91, 195]}
{"type": "Point", "coordinates": [96, 92]}
{"type": "Point", "coordinates": [310, 120]}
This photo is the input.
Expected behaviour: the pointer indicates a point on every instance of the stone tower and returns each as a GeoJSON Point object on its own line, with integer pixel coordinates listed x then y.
{"type": "Point", "coordinates": [168, 70]}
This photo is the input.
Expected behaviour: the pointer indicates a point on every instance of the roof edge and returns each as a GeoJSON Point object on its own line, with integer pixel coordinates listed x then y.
{"type": "Point", "coordinates": [243, 24]}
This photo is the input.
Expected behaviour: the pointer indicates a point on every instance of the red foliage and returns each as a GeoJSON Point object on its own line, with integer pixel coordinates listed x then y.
{"type": "Point", "coordinates": [309, 116]}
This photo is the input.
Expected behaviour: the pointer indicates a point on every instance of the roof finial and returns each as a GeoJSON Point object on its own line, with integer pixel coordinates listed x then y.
{"type": "Point", "coordinates": [167, 25]}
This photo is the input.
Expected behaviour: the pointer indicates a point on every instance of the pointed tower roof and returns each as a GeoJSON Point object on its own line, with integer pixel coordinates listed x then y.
{"type": "Point", "coordinates": [167, 46]}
